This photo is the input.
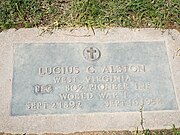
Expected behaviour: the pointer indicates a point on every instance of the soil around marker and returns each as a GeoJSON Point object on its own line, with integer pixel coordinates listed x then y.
{"type": "Point", "coordinates": [151, 132]}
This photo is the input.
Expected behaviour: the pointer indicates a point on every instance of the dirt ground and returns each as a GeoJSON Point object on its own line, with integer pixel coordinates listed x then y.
{"type": "Point", "coordinates": [87, 133]}
{"type": "Point", "coordinates": [152, 132]}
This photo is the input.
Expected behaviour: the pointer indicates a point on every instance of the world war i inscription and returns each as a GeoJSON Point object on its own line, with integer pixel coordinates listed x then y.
{"type": "Point", "coordinates": [78, 78]}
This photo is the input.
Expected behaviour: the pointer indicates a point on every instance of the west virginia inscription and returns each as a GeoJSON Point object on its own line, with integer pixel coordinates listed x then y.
{"type": "Point", "coordinates": [80, 78]}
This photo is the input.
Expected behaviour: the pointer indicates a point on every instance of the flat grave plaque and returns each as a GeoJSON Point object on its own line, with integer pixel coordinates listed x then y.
{"type": "Point", "coordinates": [78, 78]}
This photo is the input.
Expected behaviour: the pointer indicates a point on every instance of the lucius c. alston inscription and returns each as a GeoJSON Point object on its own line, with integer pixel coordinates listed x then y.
{"type": "Point", "coordinates": [91, 77]}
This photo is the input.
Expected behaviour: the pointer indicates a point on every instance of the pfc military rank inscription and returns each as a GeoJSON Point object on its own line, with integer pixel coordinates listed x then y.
{"type": "Point", "coordinates": [88, 78]}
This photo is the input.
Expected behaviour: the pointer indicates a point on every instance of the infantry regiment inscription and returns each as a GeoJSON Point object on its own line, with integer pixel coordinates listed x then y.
{"type": "Point", "coordinates": [91, 77]}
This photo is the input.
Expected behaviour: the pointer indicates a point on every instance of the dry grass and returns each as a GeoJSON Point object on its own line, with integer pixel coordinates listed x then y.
{"type": "Point", "coordinates": [52, 14]}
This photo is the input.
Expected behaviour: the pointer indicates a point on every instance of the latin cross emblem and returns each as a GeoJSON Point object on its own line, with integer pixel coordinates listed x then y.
{"type": "Point", "coordinates": [91, 53]}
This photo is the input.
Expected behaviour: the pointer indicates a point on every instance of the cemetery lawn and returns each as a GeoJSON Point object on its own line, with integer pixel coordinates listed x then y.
{"type": "Point", "coordinates": [50, 14]}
